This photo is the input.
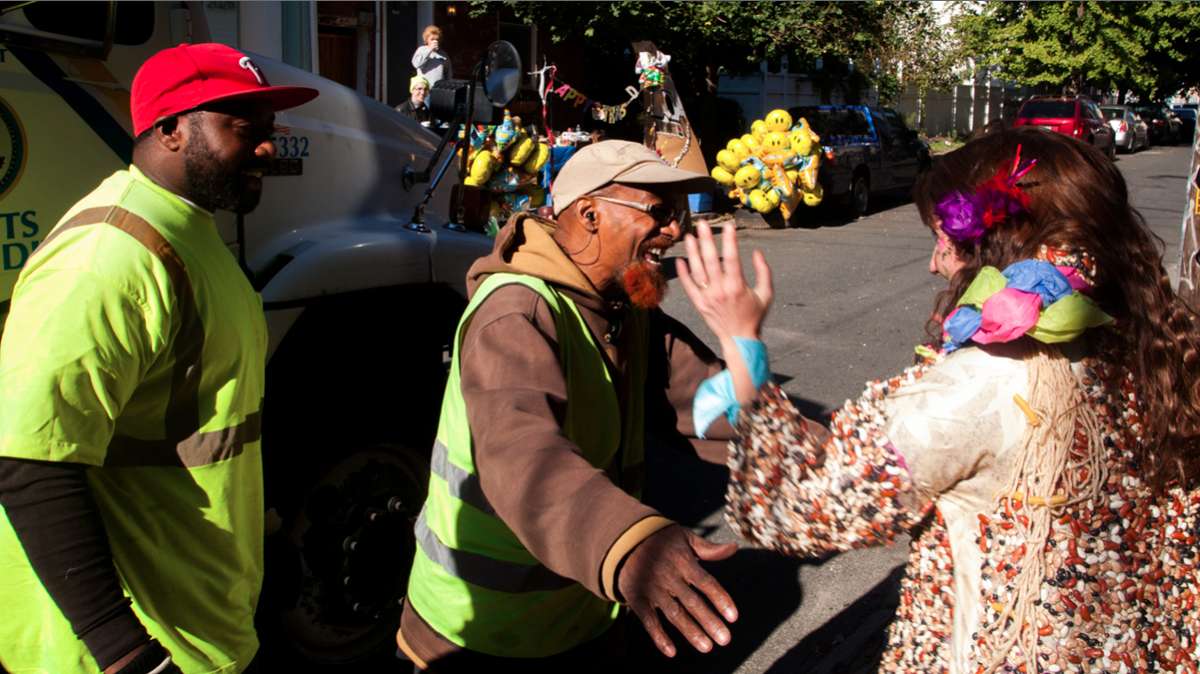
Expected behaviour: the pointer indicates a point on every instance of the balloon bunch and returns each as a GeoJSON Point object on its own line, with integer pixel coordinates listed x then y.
{"type": "Point", "coordinates": [773, 166]}
{"type": "Point", "coordinates": [506, 161]}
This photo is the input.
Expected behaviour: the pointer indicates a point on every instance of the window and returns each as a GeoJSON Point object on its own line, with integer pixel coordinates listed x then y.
{"type": "Point", "coordinates": [850, 122]}
{"type": "Point", "coordinates": [89, 20]}
{"type": "Point", "coordinates": [297, 34]}
{"type": "Point", "coordinates": [883, 127]}
{"type": "Point", "coordinates": [1058, 109]}
{"type": "Point", "coordinates": [1113, 113]}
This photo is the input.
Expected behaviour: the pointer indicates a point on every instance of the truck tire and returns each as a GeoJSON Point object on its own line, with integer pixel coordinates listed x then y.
{"type": "Point", "coordinates": [353, 394]}
{"type": "Point", "coordinates": [859, 197]}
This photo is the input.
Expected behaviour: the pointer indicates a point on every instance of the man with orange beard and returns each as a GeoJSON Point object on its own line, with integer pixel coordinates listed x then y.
{"type": "Point", "coordinates": [533, 534]}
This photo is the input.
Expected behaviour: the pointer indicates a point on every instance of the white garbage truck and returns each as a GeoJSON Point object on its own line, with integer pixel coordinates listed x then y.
{"type": "Point", "coordinates": [360, 303]}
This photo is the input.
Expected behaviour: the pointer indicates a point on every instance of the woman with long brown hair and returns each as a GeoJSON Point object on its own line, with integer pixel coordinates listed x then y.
{"type": "Point", "coordinates": [1043, 457]}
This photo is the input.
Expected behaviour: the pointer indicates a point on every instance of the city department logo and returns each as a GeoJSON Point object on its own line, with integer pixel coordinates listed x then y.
{"type": "Point", "coordinates": [12, 148]}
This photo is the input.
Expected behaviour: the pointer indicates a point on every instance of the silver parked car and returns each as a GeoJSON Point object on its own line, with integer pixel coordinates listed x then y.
{"type": "Point", "coordinates": [1133, 134]}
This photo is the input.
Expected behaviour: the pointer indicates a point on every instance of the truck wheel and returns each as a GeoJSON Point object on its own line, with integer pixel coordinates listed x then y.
{"type": "Point", "coordinates": [860, 194]}
{"type": "Point", "coordinates": [349, 417]}
{"type": "Point", "coordinates": [346, 552]}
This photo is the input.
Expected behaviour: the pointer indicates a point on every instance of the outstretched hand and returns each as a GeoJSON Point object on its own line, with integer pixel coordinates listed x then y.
{"type": "Point", "coordinates": [663, 574]}
{"type": "Point", "coordinates": [716, 286]}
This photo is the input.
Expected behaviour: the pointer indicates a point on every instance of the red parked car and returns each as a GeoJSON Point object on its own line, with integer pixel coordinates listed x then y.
{"type": "Point", "coordinates": [1077, 117]}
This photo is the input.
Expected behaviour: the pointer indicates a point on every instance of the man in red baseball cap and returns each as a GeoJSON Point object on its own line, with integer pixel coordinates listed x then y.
{"type": "Point", "coordinates": [131, 382]}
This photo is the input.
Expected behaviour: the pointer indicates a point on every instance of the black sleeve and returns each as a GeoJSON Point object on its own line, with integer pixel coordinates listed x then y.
{"type": "Point", "coordinates": [51, 509]}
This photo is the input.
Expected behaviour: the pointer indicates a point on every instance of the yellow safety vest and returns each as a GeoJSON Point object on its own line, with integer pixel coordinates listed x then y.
{"type": "Point", "coordinates": [472, 580]}
{"type": "Point", "coordinates": [137, 347]}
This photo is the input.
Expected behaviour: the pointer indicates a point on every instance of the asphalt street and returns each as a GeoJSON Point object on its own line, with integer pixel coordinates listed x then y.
{"type": "Point", "coordinates": [852, 298]}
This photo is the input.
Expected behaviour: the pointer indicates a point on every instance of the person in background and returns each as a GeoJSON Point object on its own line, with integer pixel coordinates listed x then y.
{"type": "Point", "coordinates": [1045, 459]}
{"type": "Point", "coordinates": [131, 385]}
{"type": "Point", "coordinates": [430, 61]}
{"type": "Point", "coordinates": [417, 106]}
{"type": "Point", "coordinates": [534, 533]}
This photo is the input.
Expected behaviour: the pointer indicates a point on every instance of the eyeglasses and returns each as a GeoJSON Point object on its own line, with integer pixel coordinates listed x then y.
{"type": "Point", "coordinates": [662, 213]}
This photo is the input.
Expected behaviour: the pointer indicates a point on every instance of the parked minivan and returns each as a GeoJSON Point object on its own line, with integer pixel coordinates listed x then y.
{"type": "Point", "coordinates": [1077, 117]}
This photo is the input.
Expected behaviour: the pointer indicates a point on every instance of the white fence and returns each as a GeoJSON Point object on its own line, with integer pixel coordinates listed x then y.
{"type": "Point", "coordinates": [945, 113]}
{"type": "Point", "coordinates": [961, 110]}
{"type": "Point", "coordinates": [762, 92]}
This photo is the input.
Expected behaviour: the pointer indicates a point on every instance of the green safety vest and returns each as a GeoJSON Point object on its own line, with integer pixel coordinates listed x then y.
{"type": "Point", "coordinates": [472, 580]}
{"type": "Point", "coordinates": [136, 347]}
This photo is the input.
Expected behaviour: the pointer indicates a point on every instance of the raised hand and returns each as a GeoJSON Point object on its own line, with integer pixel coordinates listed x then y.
{"type": "Point", "coordinates": [729, 306]}
{"type": "Point", "coordinates": [716, 286]}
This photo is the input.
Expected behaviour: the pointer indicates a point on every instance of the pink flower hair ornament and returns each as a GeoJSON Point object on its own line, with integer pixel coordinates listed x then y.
{"type": "Point", "coordinates": [967, 217]}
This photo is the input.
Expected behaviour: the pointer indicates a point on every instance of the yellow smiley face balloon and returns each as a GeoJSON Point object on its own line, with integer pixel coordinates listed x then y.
{"type": "Point", "coordinates": [722, 176]}
{"type": "Point", "coordinates": [747, 177]}
{"type": "Point", "coordinates": [778, 120]}
{"type": "Point", "coordinates": [738, 148]}
{"type": "Point", "coordinates": [801, 142]}
{"type": "Point", "coordinates": [758, 129]}
{"type": "Point", "coordinates": [813, 197]}
{"type": "Point", "coordinates": [728, 160]}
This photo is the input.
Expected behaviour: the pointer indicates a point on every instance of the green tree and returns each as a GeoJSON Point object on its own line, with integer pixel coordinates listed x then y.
{"type": "Point", "coordinates": [704, 37]}
{"type": "Point", "coordinates": [1148, 48]}
{"type": "Point", "coordinates": [917, 50]}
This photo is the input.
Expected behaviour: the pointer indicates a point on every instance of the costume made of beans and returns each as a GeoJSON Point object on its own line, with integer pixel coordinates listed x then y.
{"type": "Point", "coordinates": [1097, 573]}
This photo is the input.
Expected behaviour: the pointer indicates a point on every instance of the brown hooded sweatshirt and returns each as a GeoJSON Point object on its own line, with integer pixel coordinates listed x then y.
{"type": "Point", "coordinates": [567, 513]}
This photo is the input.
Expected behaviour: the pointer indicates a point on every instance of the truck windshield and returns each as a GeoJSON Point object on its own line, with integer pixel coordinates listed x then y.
{"type": "Point", "coordinates": [88, 20]}
{"type": "Point", "coordinates": [1113, 113]}
{"type": "Point", "coordinates": [1048, 109]}
{"type": "Point", "coordinates": [849, 122]}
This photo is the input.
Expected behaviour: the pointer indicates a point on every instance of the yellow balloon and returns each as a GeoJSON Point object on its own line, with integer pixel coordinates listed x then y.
{"type": "Point", "coordinates": [793, 175]}
{"type": "Point", "coordinates": [760, 202]}
{"type": "Point", "coordinates": [728, 160]}
{"type": "Point", "coordinates": [776, 140]}
{"type": "Point", "coordinates": [751, 142]}
{"type": "Point", "coordinates": [482, 168]}
{"type": "Point", "coordinates": [778, 120]}
{"type": "Point", "coordinates": [801, 143]}
{"type": "Point", "coordinates": [738, 148]}
{"type": "Point", "coordinates": [524, 147]}
{"type": "Point", "coordinates": [721, 175]}
{"type": "Point", "coordinates": [758, 129]}
{"type": "Point", "coordinates": [747, 177]}
{"type": "Point", "coordinates": [814, 197]}
{"type": "Point", "coordinates": [537, 159]}
{"type": "Point", "coordinates": [773, 197]}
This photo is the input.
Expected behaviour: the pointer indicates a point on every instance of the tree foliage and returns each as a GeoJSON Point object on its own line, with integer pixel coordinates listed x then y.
{"type": "Point", "coordinates": [917, 49]}
{"type": "Point", "coordinates": [718, 33]}
{"type": "Point", "coordinates": [1147, 48]}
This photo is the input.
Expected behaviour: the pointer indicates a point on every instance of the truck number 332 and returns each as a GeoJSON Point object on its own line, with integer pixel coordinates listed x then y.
{"type": "Point", "coordinates": [290, 147]}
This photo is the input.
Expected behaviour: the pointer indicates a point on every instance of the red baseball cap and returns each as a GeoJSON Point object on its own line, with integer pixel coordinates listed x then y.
{"type": "Point", "coordinates": [185, 77]}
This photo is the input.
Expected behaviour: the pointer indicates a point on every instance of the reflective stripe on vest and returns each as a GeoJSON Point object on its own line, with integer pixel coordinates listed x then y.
{"type": "Point", "coordinates": [184, 446]}
{"type": "Point", "coordinates": [472, 580]}
{"type": "Point", "coordinates": [483, 571]}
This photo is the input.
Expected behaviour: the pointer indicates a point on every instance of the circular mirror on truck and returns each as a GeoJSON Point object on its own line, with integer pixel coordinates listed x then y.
{"type": "Point", "coordinates": [501, 73]}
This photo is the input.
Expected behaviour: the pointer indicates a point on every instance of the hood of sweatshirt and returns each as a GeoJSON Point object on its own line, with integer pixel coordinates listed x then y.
{"type": "Point", "coordinates": [526, 246]}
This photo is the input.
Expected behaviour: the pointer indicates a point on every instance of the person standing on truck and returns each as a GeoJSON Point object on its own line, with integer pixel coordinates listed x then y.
{"type": "Point", "coordinates": [430, 61]}
{"type": "Point", "coordinates": [131, 381]}
{"type": "Point", "coordinates": [533, 534]}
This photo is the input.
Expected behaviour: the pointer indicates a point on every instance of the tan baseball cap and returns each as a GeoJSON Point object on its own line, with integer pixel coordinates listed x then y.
{"type": "Point", "coordinates": [619, 161]}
